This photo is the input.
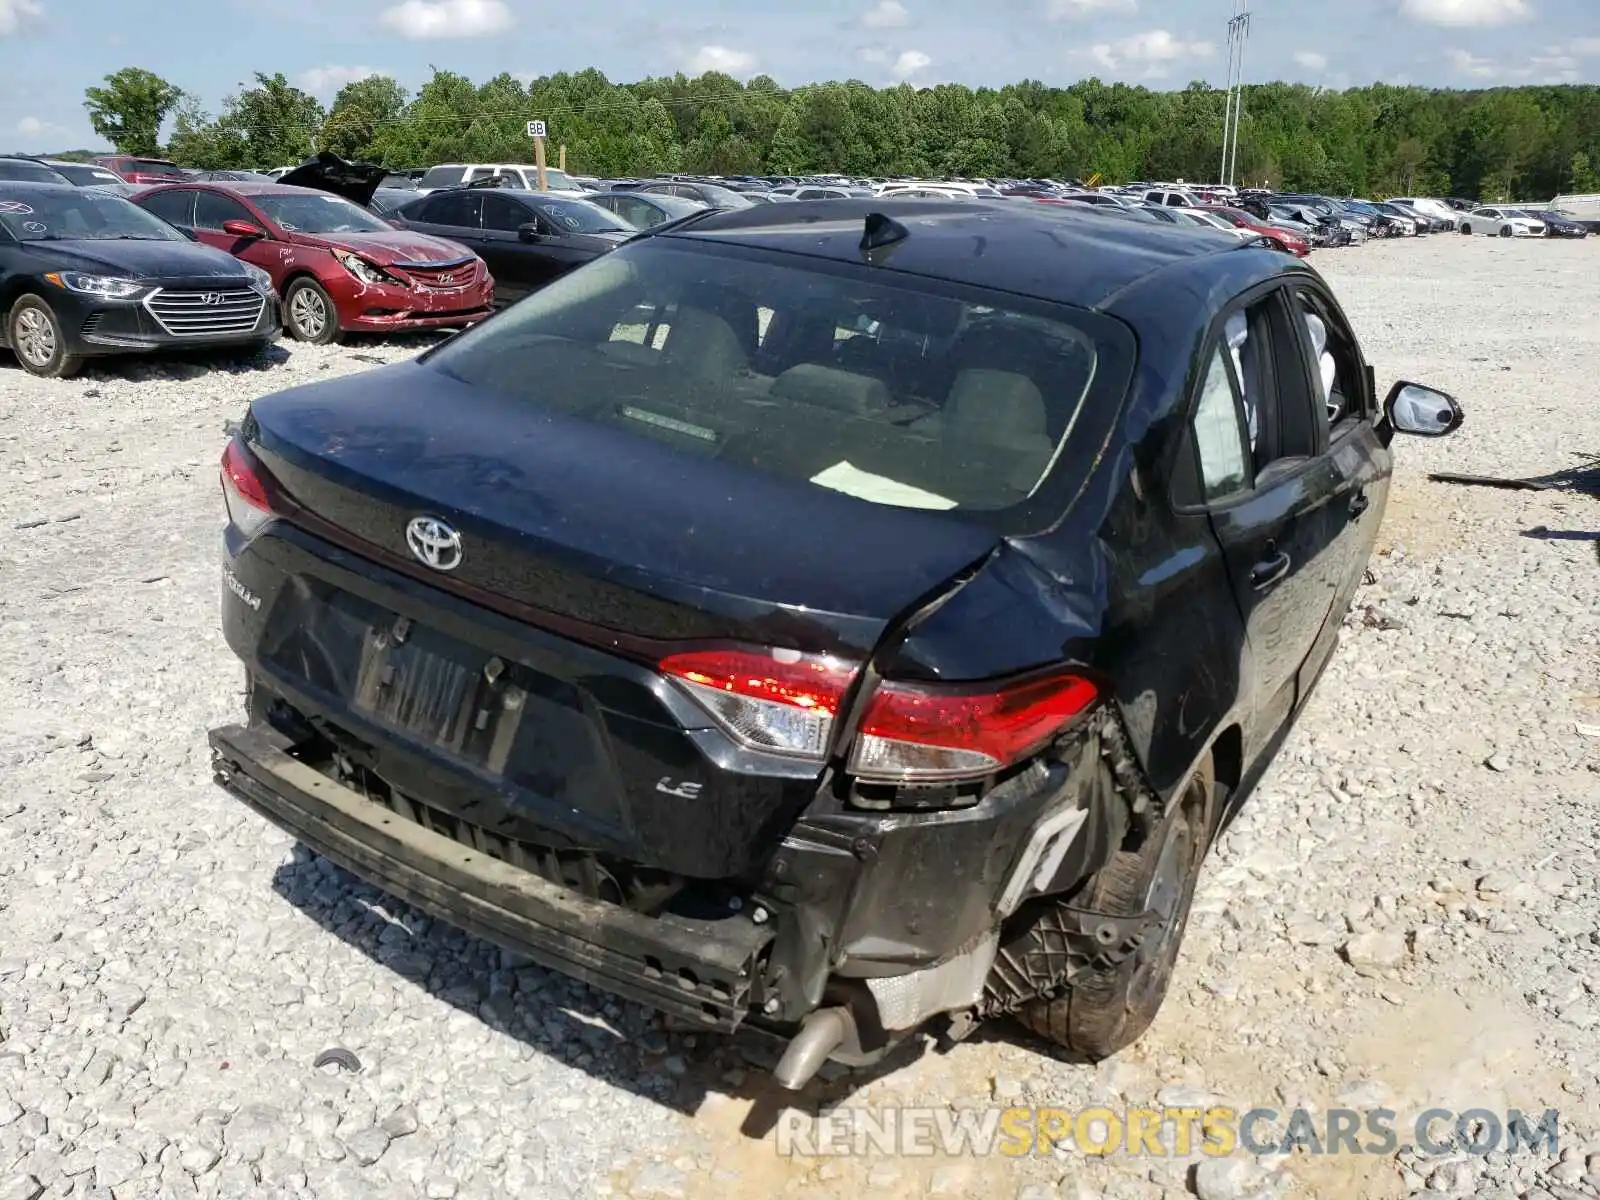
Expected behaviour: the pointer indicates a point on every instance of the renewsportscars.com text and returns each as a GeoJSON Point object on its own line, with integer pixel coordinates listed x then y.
{"type": "Point", "coordinates": [1162, 1132]}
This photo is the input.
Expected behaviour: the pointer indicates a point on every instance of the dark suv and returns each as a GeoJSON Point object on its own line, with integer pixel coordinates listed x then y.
{"type": "Point", "coordinates": [798, 619]}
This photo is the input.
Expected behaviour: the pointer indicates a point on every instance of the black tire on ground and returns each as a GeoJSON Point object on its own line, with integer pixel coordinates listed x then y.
{"type": "Point", "coordinates": [1505, 231]}
{"type": "Point", "coordinates": [37, 339]}
{"type": "Point", "coordinates": [309, 314]}
{"type": "Point", "coordinates": [1466, 229]}
{"type": "Point", "coordinates": [1107, 1009]}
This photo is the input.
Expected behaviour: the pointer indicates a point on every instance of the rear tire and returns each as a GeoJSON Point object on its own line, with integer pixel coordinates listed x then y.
{"type": "Point", "coordinates": [1107, 1009]}
{"type": "Point", "coordinates": [1466, 230]}
{"type": "Point", "coordinates": [37, 340]}
{"type": "Point", "coordinates": [309, 314]}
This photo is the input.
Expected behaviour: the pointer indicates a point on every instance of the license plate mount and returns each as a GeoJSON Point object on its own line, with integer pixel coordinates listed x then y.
{"type": "Point", "coordinates": [439, 692]}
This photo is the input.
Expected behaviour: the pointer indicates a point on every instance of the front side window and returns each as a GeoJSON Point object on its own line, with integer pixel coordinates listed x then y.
{"type": "Point", "coordinates": [870, 385]}
{"type": "Point", "coordinates": [1332, 363]}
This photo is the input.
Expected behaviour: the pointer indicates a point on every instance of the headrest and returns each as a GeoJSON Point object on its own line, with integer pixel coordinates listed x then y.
{"type": "Point", "coordinates": [827, 387]}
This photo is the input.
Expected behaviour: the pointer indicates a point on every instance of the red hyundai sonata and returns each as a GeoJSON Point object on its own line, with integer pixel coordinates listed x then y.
{"type": "Point", "coordinates": [336, 267]}
{"type": "Point", "coordinates": [1287, 239]}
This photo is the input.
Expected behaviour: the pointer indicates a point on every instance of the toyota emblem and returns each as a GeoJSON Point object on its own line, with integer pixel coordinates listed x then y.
{"type": "Point", "coordinates": [212, 299]}
{"type": "Point", "coordinates": [434, 543]}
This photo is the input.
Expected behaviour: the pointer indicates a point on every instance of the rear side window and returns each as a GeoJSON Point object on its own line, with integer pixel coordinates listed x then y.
{"type": "Point", "coordinates": [459, 209]}
{"type": "Point", "coordinates": [880, 387]}
{"type": "Point", "coordinates": [175, 207]}
{"type": "Point", "coordinates": [1219, 440]}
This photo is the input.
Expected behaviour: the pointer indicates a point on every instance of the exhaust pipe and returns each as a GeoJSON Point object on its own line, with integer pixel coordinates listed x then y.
{"type": "Point", "coordinates": [821, 1033]}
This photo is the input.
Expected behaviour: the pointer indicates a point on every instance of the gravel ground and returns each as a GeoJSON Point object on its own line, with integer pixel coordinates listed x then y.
{"type": "Point", "coordinates": [1405, 913]}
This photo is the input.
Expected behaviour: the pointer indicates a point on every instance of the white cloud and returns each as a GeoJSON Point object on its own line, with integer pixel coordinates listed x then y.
{"type": "Point", "coordinates": [1470, 64]}
{"type": "Point", "coordinates": [721, 58]}
{"type": "Point", "coordinates": [888, 14]}
{"type": "Point", "coordinates": [426, 19]}
{"type": "Point", "coordinates": [873, 54]}
{"type": "Point", "coordinates": [1584, 47]}
{"type": "Point", "coordinates": [1152, 50]}
{"type": "Point", "coordinates": [326, 81]}
{"type": "Point", "coordinates": [909, 63]}
{"type": "Point", "coordinates": [1074, 10]}
{"type": "Point", "coordinates": [1465, 14]}
{"type": "Point", "coordinates": [1311, 60]}
{"type": "Point", "coordinates": [37, 130]}
{"type": "Point", "coordinates": [13, 12]}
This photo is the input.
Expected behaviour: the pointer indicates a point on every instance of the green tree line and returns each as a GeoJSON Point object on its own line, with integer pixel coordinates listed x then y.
{"type": "Point", "coordinates": [1528, 142]}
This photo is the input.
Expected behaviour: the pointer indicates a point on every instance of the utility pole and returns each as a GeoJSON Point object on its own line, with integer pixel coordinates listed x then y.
{"type": "Point", "coordinates": [1238, 35]}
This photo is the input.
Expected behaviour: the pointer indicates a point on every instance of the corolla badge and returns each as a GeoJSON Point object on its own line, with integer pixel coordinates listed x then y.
{"type": "Point", "coordinates": [434, 543]}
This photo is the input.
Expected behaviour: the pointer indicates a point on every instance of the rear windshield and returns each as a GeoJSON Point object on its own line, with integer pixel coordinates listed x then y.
{"type": "Point", "coordinates": [155, 166]}
{"type": "Point", "coordinates": [86, 175]}
{"type": "Point", "coordinates": [438, 177]}
{"type": "Point", "coordinates": [877, 388]}
{"type": "Point", "coordinates": [23, 171]}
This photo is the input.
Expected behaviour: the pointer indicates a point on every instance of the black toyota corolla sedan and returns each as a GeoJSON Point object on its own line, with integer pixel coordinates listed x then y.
{"type": "Point", "coordinates": [83, 272]}
{"type": "Point", "coordinates": [824, 618]}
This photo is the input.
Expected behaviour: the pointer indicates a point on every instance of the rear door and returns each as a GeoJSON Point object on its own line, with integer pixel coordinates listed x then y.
{"type": "Point", "coordinates": [517, 266]}
{"type": "Point", "coordinates": [1278, 540]}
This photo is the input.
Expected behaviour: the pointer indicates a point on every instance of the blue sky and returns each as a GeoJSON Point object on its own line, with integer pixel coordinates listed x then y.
{"type": "Point", "coordinates": [50, 50]}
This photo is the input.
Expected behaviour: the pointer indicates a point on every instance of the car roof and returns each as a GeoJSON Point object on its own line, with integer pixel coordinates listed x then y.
{"type": "Point", "coordinates": [245, 187]}
{"type": "Point", "coordinates": [1067, 254]}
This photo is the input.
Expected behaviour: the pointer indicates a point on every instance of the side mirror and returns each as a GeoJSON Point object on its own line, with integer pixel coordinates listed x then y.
{"type": "Point", "coordinates": [529, 232]}
{"type": "Point", "coordinates": [243, 229]}
{"type": "Point", "coordinates": [1424, 411]}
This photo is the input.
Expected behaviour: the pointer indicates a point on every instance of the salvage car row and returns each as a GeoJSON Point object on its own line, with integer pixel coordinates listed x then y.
{"type": "Point", "coordinates": [93, 263]}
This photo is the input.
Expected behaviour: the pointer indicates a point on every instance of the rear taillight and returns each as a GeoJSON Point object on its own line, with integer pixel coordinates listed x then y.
{"type": "Point", "coordinates": [786, 702]}
{"type": "Point", "coordinates": [925, 733]}
{"type": "Point", "coordinates": [777, 700]}
{"type": "Point", "coordinates": [249, 506]}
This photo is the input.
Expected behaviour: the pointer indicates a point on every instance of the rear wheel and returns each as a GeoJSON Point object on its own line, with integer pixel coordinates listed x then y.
{"type": "Point", "coordinates": [309, 313]}
{"type": "Point", "coordinates": [1106, 1009]}
{"type": "Point", "coordinates": [37, 340]}
{"type": "Point", "coordinates": [1466, 229]}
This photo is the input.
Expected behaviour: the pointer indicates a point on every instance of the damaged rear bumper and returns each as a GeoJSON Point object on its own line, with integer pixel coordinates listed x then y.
{"type": "Point", "coordinates": [700, 971]}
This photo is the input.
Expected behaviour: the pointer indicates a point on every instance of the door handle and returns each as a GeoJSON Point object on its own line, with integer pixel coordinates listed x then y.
{"type": "Point", "coordinates": [1358, 503]}
{"type": "Point", "coordinates": [1267, 572]}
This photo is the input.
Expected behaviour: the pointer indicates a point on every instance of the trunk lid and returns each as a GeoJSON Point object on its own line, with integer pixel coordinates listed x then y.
{"type": "Point", "coordinates": [328, 172]}
{"type": "Point", "coordinates": [597, 525]}
{"type": "Point", "coordinates": [611, 551]}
